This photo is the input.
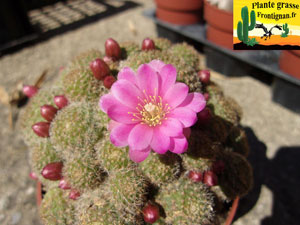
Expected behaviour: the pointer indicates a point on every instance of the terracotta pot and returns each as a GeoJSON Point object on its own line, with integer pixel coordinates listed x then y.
{"type": "Point", "coordinates": [296, 52]}
{"type": "Point", "coordinates": [219, 25]}
{"type": "Point", "coordinates": [289, 62]}
{"type": "Point", "coordinates": [38, 193]}
{"type": "Point", "coordinates": [230, 216]}
{"type": "Point", "coordinates": [179, 12]}
{"type": "Point", "coordinates": [219, 37]}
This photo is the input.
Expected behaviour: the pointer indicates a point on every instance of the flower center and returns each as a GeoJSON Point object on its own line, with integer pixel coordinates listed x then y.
{"type": "Point", "coordinates": [151, 110]}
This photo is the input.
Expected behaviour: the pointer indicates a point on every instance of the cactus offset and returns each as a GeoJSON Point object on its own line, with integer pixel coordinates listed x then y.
{"type": "Point", "coordinates": [103, 182]}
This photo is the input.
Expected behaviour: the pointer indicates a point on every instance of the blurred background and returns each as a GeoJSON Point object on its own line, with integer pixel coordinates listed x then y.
{"type": "Point", "coordinates": [38, 37]}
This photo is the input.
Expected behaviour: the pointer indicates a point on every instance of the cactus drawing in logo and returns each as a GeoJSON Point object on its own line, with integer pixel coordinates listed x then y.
{"type": "Point", "coordinates": [286, 30]}
{"type": "Point", "coordinates": [243, 28]}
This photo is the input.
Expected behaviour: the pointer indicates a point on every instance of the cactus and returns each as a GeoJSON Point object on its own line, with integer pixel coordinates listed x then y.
{"type": "Point", "coordinates": [243, 27]}
{"type": "Point", "coordinates": [104, 182]}
{"type": "Point", "coordinates": [286, 30]}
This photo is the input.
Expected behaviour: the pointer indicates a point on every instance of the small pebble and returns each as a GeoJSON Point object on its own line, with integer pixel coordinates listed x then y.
{"type": "Point", "coordinates": [3, 203]}
{"type": "Point", "coordinates": [30, 191]}
{"type": "Point", "coordinates": [16, 217]}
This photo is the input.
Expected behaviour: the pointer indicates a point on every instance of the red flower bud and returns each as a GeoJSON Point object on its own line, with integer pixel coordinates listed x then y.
{"type": "Point", "coordinates": [112, 49]}
{"type": "Point", "coordinates": [99, 68]}
{"type": "Point", "coordinates": [52, 171]}
{"type": "Point", "coordinates": [63, 184]}
{"type": "Point", "coordinates": [204, 76]}
{"type": "Point", "coordinates": [48, 112]}
{"type": "Point", "coordinates": [30, 91]}
{"type": "Point", "coordinates": [61, 101]}
{"type": "Point", "coordinates": [108, 81]}
{"type": "Point", "coordinates": [148, 44]}
{"type": "Point", "coordinates": [204, 116]}
{"type": "Point", "coordinates": [74, 194]}
{"type": "Point", "coordinates": [206, 96]}
{"type": "Point", "coordinates": [41, 129]}
{"type": "Point", "coordinates": [218, 166]}
{"type": "Point", "coordinates": [108, 60]}
{"type": "Point", "coordinates": [33, 176]}
{"type": "Point", "coordinates": [196, 176]}
{"type": "Point", "coordinates": [210, 178]}
{"type": "Point", "coordinates": [151, 213]}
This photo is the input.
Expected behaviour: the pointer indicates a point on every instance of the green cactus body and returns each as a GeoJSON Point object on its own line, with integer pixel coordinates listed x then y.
{"type": "Point", "coordinates": [185, 202]}
{"type": "Point", "coordinates": [243, 27]}
{"type": "Point", "coordinates": [286, 30]}
{"type": "Point", "coordinates": [128, 190]}
{"type": "Point", "coordinates": [113, 189]}
{"type": "Point", "coordinates": [56, 208]}
{"type": "Point", "coordinates": [161, 169]}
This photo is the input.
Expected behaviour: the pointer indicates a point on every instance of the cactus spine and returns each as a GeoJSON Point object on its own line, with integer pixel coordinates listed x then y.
{"type": "Point", "coordinates": [244, 28]}
{"type": "Point", "coordinates": [286, 30]}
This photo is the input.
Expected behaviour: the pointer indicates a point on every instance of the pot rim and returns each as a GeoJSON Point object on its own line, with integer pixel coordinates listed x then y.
{"type": "Point", "coordinates": [218, 18]}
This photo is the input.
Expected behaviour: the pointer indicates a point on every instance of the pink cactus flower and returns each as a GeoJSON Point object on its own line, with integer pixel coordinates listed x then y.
{"type": "Point", "coordinates": [150, 110]}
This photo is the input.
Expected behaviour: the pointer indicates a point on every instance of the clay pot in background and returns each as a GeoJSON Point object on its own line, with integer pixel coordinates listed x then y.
{"type": "Point", "coordinates": [219, 25]}
{"type": "Point", "coordinates": [179, 12]}
{"type": "Point", "coordinates": [289, 62]}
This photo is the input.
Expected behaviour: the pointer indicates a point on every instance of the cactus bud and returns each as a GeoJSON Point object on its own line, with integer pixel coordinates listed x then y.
{"type": "Point", "coordinates": [206, 96]}
{"type": "Point", "coordinates": [196, 176]}
{"type": "Point", "coordinates": [52, 171]}
{"type": "Point", "coordinates": [30, 91]}
{"type": "Point", "coordinates": [151, 213]}
{"type": "Point", "coordinates": [148, 44]}
{"type": "Point", "coordinates": [218, 166]}
{"type": "Point", "coordinates": [63, 184]}
{"type": "Point", "coordinates": [48, 112]}
{"type": "Point", "coordinates": [108, 60]}
{"type": "Point", "coordinates": [61, 101]}
{"type": "Point", "coordinates": [74, 194]}
{"type": "Point", "coordinates": [108, 81]}
{"type": "Point", "coordinates": [204, 76]}
{"type": "Point", "coordinates": [33, 176]}
{"type": "Point", "coordinates": [204, 116]}
{"type": "Point", "coordinates": [210, 178]}
{"type": "Point", "coordinates": [112, 49]}
{"type": "Point", "coordinates": [41, 129]}
{"type": "Point", "coordinates": [99, 68]}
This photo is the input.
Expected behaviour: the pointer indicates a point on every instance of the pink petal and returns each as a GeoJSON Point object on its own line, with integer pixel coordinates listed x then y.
{"type": "Point", "coordinates": [120, 113]}
{"type": "Point", "coordinates": [176, 94]}
{"type": "Point", "coordinates": [147, 79]}
{"type": "Point", "coordinates": [119, 134]}
{"type": "Point", "coordinates": [127, 93]}
{"type": "Point", "coordinates": [186, 116]}
{"type": "Point", "coordinates": [112, 124]}
{"type": "Point", "coordinates": [127, 74]}
{"type": "Point", "coordinates": [178, 145]}
{"type": "Point", "coordinates": [139, 156]}
{"type": "Point", "coordinates": [168, 76]}
{"type": "Point", "coordinates": [171, 127]}
{"type": "Point", "coordinates": [160, 143]}
{"type": "Point", "coordinates": [107, 101]}
{"type": "Point", "coordinates": [194, 101]}
{"type": "Point", "coordinates": [140, 136]}
{"type": "Point", "coordinates": [156, 65]}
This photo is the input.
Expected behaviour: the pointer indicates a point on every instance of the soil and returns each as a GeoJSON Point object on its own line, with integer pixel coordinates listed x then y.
{"type": "Point", "coordinates": [273, 130]}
